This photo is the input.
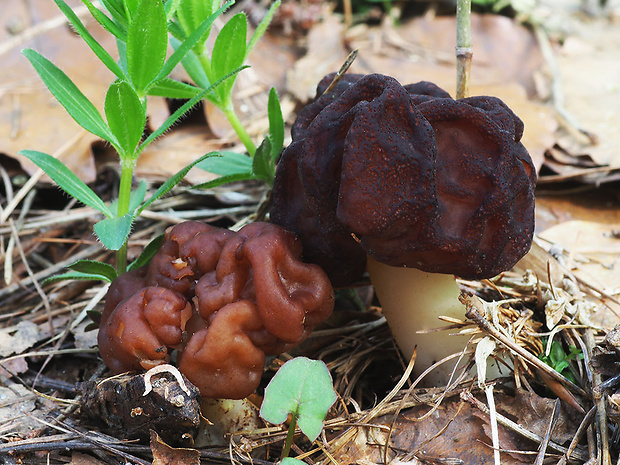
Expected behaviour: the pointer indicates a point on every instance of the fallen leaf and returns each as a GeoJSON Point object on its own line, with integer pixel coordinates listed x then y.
{"type": "Point", "coordinates": [163, 454]}
{"type": "Point", "coordinates": [30, 118]}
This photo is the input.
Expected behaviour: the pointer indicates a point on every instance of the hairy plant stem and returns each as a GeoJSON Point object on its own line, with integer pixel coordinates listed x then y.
{"type": "Point", "coordinates": [124, 195]}
{"type": "Point", "coordinates": [464, 51]}
{"type": "Point", "coordinates": [289, 437]}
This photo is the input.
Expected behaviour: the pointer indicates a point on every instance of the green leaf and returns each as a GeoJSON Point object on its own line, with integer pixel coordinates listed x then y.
{"type": "Point", "coordinates": [292, 461]}
{"type": "Point", "coordinates": [193, 38]}
{"type": "Point", "coordinates": [182, 110]}
{"type": "Point", "coordinates": [262, 27]}
{"type": "Point", "coordinates": [229, 163]}
{"type": "Point", "coordinates": [69, 96]}
{"type": "Point", "coordinates": [303, 388]}
{"type": "Point", "coordinates": [147, 253]}
{"type": "Point", "coordinates": [147, 43]}
{"type": "Point", "coordinates": [74, 276]}
{"type": "Point", "coordinates": [229, 53]}
{"type": "Point", "coordinates": [191, 13]}
{"type": "Point", "coordinates": [126, 116]}
{"type": "Point", "coordinates": [113, 232]}
{"type": "Point", "coordinates": [116, 27]}
{"type": "Point", "coordinates": [262, 166]}
{"type": "Point", "coordinates": [66, 180]}
{"type": "Point", "coordinates": [95, 46]}
{"type": "Point", "coordinates": [276, 124]}
{"type": "Point", "coordinates": [225, 180]}
{"type": "Point", "coordinates": [174, 180]}
{"type": "Point", "coordinates": [193, 67]}
{"type": "Point", "coordinates": [170, 88]}
{"type": "Point", "coordinates": [95, 268]}
{"type": "Point", "coordinates": [131, 7]}
{"type": "Point", "coordinates": [171, 8]}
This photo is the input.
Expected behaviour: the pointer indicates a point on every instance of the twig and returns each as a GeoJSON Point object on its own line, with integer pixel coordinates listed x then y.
{"type": "Point", "coordinates": [599, 399]}
{"type": "Point", "coordinates": [464, 50]}
{"type": "Point", "coordinates": [342, 71]}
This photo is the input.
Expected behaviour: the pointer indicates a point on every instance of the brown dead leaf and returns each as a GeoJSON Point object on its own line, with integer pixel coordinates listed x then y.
{"type": "Point", "coordinates": [533, 411]}
{"type": "Point", "coordinates": [163, 454]}
{"type": "Point", "coordinates": [30, 118]}
{"type": "Point", "coordinates": [454, 432]}
{"type": "Point", "coordinates": [589, 63]}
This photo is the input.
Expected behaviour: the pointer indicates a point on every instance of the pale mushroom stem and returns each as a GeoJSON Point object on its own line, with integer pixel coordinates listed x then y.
{"type": "Point", "coordinates": [412, 301]}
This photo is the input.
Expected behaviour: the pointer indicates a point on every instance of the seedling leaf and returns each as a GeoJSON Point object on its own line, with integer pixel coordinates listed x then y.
{"type": "Point", "coordinates": [303, 388]}
{"type": "Point", "coordinates": [95, 46]}
{"type": "Point", "coordinates": [262, 166]}
{"type": "Point", "coordinates": [225, 180]}
{"type": "Point", "coordinates": [147, 253]}
{"type": "Point", "coordinates": [147, 42]}
{"type": "Point", "coordinates": [69, 96]}
{"type": "Point", "coordinates": [228, 164]}
{"type": "Point", "coordinates": [276, 124]}
{"type": "Point", "coordinates": [74, 276]}
{"type": "Point", "coordinates": [95, 268]}
{"type": "Point", "coordinates": [262, 27]}
{"type": "Point", "coordinates": [229, 53]}
{"type": "Point", "coordinates": [113, 232]}
{"type": "Point", "coordinates": [126, 116]}
{"type": "Point", "coordinates": [194, 38]}
{"type": "Point", "coordinates": [170, 88]}
{"type": "Point", "coordinates": [118, 27]}
{"type": "Point", "coordinates": [66, 180]}
{"type": "Point", "coordinates": [182, 110]}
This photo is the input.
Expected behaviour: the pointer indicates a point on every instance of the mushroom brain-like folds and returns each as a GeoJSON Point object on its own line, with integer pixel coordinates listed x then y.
{"type": "Point", "coordinates": [223, 300]}
{"type": "Point", "coordinates": [414, 177]}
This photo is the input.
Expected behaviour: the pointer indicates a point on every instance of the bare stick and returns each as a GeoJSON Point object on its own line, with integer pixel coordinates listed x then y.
{"type": "Point", "coordinates": [464, 50]}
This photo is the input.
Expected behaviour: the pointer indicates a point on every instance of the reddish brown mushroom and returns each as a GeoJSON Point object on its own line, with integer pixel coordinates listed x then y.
{"type": "Point", "coordinates": [411, 178]}
{"type": "Point", "coordinates": [222, 299]}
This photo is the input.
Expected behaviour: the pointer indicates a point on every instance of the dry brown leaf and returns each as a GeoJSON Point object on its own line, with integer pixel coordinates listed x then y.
{"type": "Point", "coordinates": [589, 63]}
{"type": "Point", "coordinates": [30, 118]}
{"type": "Point", "coordinates": [163, 454]}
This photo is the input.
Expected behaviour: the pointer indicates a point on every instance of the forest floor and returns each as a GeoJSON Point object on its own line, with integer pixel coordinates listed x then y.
{"type": "Point", "coordinates": [555, 63]}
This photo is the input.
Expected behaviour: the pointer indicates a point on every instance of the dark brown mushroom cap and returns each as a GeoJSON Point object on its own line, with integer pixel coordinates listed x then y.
{"type": "Point", "coordinates": [418, 180]}
{"type": "Point", "coordinates": [235, 297]}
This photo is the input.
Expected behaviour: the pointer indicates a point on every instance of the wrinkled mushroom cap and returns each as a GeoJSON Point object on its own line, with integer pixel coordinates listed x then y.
{"type": "Point", "coordinates": [412, 179]}
{"type": "Point", "coordinates": [221, 299]}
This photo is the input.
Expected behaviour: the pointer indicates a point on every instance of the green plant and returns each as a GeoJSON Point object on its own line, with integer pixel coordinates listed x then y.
{"type": "Point", "coordinates": [230, 50]}
{"type": "Point", "coordinates": [303, 389]}
{"type": "Point", "coordinates": [559, 360]}
{"type": "Point", "coordinates": [141, 31]}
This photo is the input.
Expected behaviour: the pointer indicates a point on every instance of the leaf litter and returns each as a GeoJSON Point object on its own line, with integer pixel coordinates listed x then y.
{"type": "Point", "coordinates": [567, 280]}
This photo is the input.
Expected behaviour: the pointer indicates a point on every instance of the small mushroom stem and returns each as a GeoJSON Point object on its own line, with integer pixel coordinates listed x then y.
{"type": "Point", "coordinates": [412, 300]}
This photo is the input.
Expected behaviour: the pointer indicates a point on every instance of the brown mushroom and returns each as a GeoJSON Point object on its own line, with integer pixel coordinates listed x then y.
{"type": "Point", "coordinates": [416, 181]}
{"type": "Point", "coordinates": [222, 299]}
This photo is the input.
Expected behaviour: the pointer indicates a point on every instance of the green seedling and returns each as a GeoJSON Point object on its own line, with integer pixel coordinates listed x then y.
{"type": "Point", "coordinates": [229, 52]}
{"type": "Point", "coordinates": [303, 389]}
{"type": "Point", "coordinates": [142, 69]}
{"type": "Point", "coordinates": [559, 360]}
